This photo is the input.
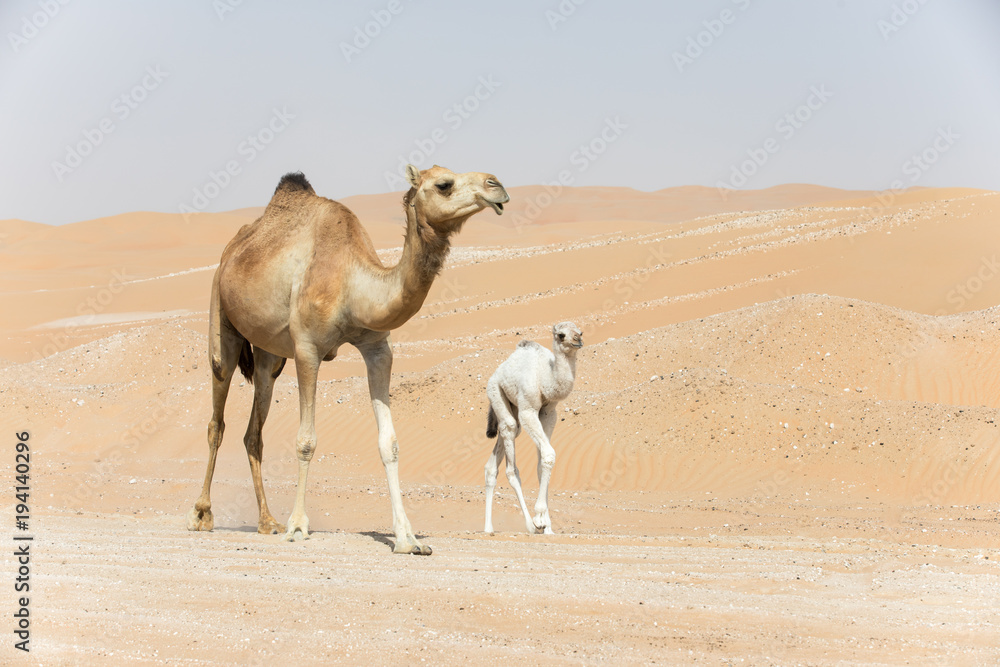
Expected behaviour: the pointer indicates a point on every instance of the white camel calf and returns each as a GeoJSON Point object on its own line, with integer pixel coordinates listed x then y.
{"type": "Point", "coordinates": [524, 392]}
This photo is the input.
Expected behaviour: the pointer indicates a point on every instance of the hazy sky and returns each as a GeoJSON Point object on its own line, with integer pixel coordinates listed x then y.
{"type": "Point", "coordinates": [108, 107]}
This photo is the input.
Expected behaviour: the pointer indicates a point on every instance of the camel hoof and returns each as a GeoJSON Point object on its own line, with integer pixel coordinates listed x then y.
{"type": "Point", "coordinates": [270, 527]}
{"type": "Point", "coordinates": [200, 520]}
{"type": "Point", "coordinates": [414, 548]}
{"type": "Point", "coordinates": [296, 535]}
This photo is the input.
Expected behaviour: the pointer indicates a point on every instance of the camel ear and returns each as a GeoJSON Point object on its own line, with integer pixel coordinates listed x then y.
{"type": "Point", "coordinates": [413, 175]}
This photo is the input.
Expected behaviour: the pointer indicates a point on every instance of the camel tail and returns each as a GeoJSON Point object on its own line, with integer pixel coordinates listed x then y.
{"type": "Point", "coordinates": [491, 424]}
{"type": "Point", "coordinates": [246, 361]}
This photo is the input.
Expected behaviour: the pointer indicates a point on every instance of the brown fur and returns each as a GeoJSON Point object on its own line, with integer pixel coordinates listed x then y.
{"type": "Point", "coordinates": [304, 279]}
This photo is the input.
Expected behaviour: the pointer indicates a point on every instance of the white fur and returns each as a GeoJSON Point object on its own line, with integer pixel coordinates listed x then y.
{"type": "Point", "coordinates": [524, 392]}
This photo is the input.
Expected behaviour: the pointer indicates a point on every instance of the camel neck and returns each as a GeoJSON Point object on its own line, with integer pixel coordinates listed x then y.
{"type": "Point", "coordinates": [564, 372]}
{"type": "Point", "coordinates": [424, 253]}
{"type": "Point", "coordinates": [400, 291]}
{"type": "Point", "coordinates": [566, 363]}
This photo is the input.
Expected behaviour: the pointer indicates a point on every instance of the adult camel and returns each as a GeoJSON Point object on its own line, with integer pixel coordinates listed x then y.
{"type": "Point", "coordinates": [301, 281]}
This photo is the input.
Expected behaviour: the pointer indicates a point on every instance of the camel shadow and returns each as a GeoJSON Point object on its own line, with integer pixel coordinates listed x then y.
{"type": "Point", "coordinates": [383, 538]}
{"type": "Point", "coordinates": [235, 529]}
{"type": "Point", "coordinates": [252, 529]}
{"type": "Point", "coordinates": [386, 538]}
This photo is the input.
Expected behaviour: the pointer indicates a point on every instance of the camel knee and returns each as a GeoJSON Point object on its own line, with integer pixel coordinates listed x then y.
{"type": "Point", "coordinates": [508, 427]}
{"type": "Point", "coordinates": [388, 449]}
{"type": "Point", "coordinates": [252, 442]}
{"type": "Point", "coordinates": [305, 447]}
{"type": "Point", "coordinates": [215, 431]}
{"type": "Point", "coordinates": [491, 474]}
{"type": "Point", "coordinates": [217, 370]}
{"type": "Point", "coordinates": [546, 455]}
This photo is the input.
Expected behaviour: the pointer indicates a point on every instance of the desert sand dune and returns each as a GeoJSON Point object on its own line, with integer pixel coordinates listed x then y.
{"type": "Point", "coordinates": [784, 422]}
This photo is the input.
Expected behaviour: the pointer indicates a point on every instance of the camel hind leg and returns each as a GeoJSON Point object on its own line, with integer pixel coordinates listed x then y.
{"type": "Point", "coordinates": [508, 427]}
{"type": "Point", "coordinates": [224, 350]}
{"type": "Point", "coordinates": [267, 367]}
{"type": "Point", "coordinates": [492, 470]}
{"type": "Point", "coordinates": [307, 372]}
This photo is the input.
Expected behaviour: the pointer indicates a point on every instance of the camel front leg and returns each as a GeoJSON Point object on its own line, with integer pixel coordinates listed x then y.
{"type": "Point", "coordinates": [307, 370]}
{"type": "Point", "coordinates": [540, 426]}
{"type": "Point", "coordinates": [378, 360]}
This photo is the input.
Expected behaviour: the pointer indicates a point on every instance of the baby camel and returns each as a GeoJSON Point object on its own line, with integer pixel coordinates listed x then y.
{"type": "Point", "coordinates": [524, 392]}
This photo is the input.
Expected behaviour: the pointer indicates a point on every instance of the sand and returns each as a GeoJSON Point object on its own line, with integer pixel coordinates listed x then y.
{"type": "Point", "coordinates": [782, 447]}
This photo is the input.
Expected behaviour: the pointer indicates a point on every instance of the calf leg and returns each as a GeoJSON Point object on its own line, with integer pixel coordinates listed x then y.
{"type": "Point", "coordinates": [492, 469]}
{"type": "Point", "coordinates": [539, 426]}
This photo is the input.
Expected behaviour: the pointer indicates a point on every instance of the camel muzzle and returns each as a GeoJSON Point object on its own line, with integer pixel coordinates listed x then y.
{"type": "Point", "coordinates": [501, 200]}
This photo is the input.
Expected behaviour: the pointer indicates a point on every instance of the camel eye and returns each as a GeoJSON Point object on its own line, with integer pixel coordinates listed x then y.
{"type": "Point", "coordinates": [562, 336]}
{"type": "Point", "coordinates": [444, 187]}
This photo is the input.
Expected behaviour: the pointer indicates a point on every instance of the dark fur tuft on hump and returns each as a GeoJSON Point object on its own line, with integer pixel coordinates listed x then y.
{"type": "Point", "coordinates": [292, 181]}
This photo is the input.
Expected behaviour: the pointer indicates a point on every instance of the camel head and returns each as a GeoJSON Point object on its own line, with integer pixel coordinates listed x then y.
{"type": "Point", "coordinates": [567, 337]}
{"type": "Point", "coordinates": [445, 200]}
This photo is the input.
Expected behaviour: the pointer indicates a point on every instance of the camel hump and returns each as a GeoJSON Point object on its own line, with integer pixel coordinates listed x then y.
{"type": "Point", "coordinates": [528, 343]}
{"type": "Point", "coordinates": [294, 181]}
